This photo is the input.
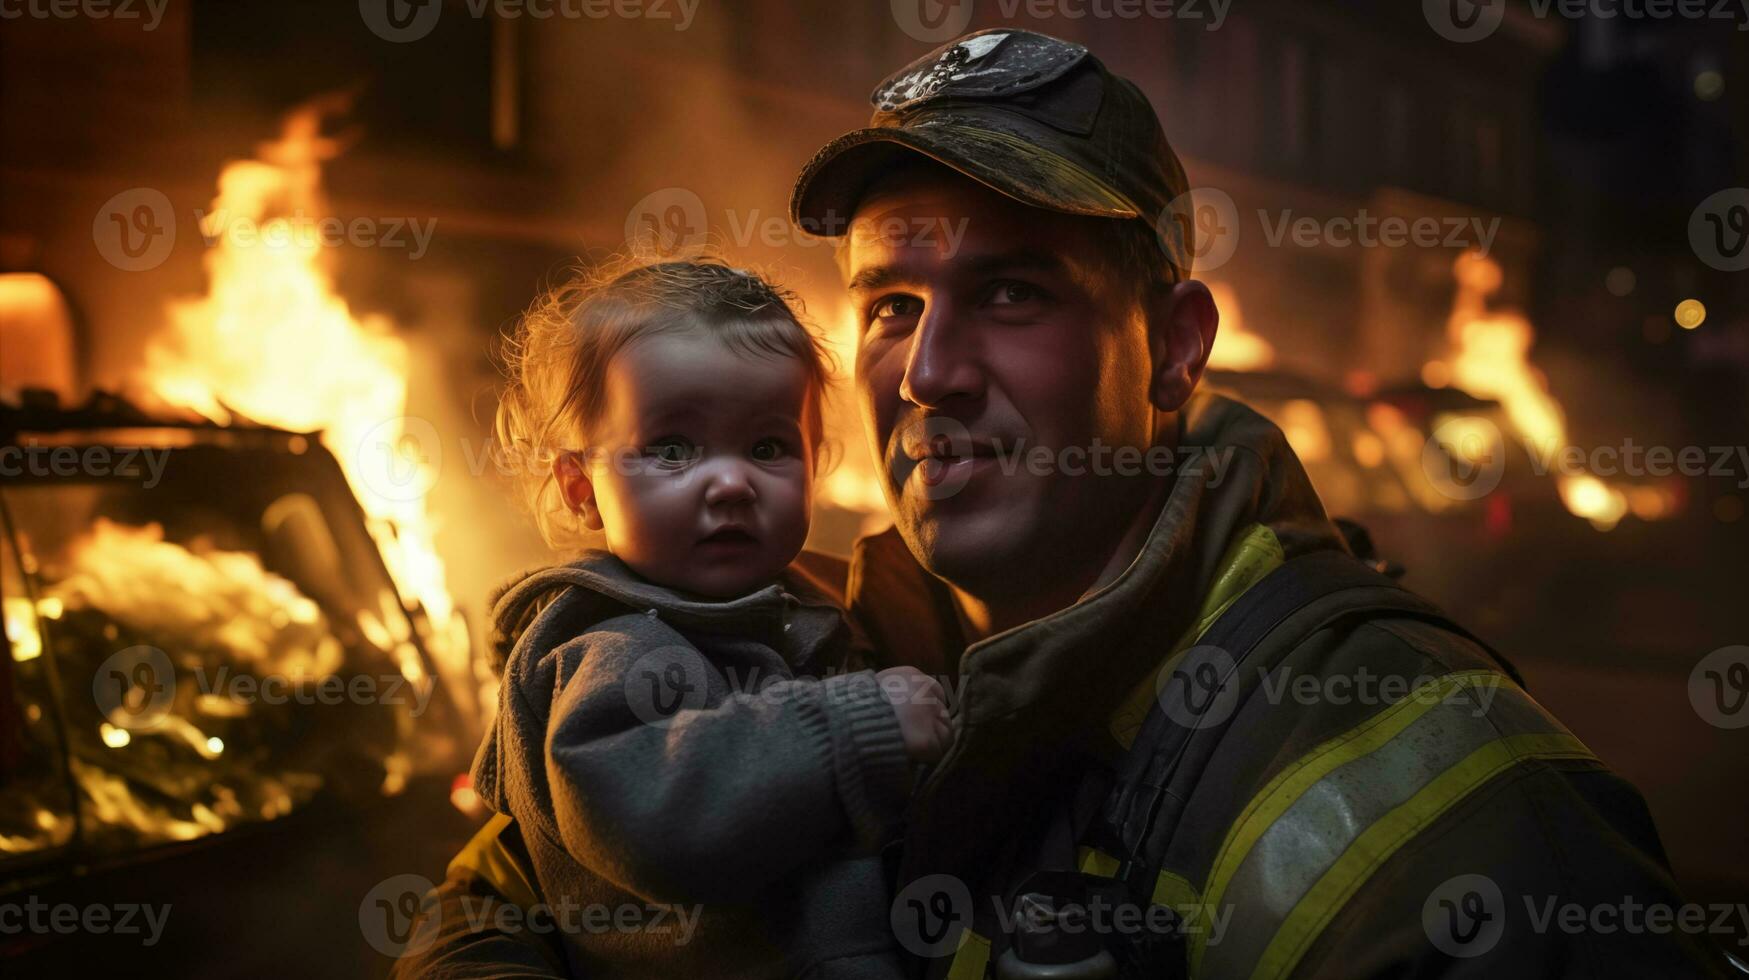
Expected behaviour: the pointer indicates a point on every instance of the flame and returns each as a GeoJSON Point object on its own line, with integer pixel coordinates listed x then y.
{"type": "Point", "coordinates": [225, 609]}
{"type": "Point", "coordinates": [1491, 359]}
{"type": "Point", "coordinates": [272, 341]}
{"type": "Point", "coordinates": [218, 600]}
{"type": "Point", "coordinates": [56, 829]}
{"type": "Point", "coordinates": [1236, 348]}
{"type": "Point", "coordinates": [22, 629]}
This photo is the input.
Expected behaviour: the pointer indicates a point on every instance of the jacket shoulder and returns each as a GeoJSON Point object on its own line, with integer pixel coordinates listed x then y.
{"type": "Point", "coordinates": [1382, 761]}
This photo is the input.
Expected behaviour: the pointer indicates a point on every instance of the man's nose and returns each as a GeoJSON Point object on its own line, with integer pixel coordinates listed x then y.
{"type": "Point", "coordinates": [944, 362]}
{"type": "Point", "coordinates": [727, 482]}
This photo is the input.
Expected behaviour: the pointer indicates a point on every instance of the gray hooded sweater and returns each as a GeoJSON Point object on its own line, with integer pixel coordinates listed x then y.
{"type": "Point", "coordinates": [701, 787]}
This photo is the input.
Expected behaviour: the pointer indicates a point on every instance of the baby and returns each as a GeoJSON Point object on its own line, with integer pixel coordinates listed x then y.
{"type": "Point", "coordinates": [677, 724]}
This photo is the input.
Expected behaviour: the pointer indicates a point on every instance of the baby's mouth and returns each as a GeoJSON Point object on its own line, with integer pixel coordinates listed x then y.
{"type": "Point", "coordinates": [730, 536]}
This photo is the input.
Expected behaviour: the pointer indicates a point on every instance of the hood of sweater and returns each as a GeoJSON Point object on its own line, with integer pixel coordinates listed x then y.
{"type": "Point", "coordinates": [608, 587]}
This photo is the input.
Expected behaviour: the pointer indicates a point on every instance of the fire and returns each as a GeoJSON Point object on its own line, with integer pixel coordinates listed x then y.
{"type": "Point", "coordinates": [1491, 359]}
{"type": "Point", "coordinates": [1236, 349]}
{"type": "Point", "coordinates": [273, 342]}
{"type": "Point", "coordinates": [221, 610]}
{"type": "Point", "coordinates": [215, 600]}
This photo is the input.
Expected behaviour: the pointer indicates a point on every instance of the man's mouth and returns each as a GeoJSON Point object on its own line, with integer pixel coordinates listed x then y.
{"type": "Point", "coordinates": [942, 458]}
{"type": "Point", "coordinates": [947, 448]}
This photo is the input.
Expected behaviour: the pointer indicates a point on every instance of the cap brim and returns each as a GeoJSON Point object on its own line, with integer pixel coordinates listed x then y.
{"type": "Point", "coordinates": [829, 187]}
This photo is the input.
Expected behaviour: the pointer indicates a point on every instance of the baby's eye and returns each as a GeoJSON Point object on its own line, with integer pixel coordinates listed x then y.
{"type": "Point", "coordinates": [767, 450]}
{"type": "Point", "coordinates": [672, 451]}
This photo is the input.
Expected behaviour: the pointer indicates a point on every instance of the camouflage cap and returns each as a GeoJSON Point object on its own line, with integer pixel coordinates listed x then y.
{"type": "Point", "coordinates": [1035, 117]}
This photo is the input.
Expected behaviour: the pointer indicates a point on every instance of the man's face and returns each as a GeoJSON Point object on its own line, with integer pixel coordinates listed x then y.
{"type": "Point", "coordinates": [989, 328]}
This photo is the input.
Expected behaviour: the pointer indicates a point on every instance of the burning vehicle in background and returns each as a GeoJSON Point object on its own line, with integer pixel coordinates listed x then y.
{"type": "Point", "coordinates": [204, 644]}
{"type": "Point", "coordinates": [237, 687]}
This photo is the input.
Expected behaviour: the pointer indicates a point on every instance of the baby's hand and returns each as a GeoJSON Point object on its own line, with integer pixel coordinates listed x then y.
{"type": "Point", "coordinates": [922, 708]}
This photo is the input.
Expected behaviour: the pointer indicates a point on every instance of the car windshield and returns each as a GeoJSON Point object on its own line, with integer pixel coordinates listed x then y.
{"type": "Point", "coordinates": [199, 645]}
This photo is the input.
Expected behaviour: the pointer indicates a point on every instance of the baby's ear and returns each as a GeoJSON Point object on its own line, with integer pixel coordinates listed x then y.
{"type": "Point", "coordinates": [572, 476]}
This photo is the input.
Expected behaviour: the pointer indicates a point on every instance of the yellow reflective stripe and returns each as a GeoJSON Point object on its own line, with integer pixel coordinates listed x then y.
{"type": "Point", "coordinates": [1092, 861]}
{"type": "Point", "coordinates": [486, 856]}
{"type": "Point", "coordinates": [1288, 785]}
{"type": "Point", "coordinates": [971, 959]}
{"type": "Point", "coordinates": [1175, 891]}
{"type": "Point", "coordinates": [1388, 834]}
{"type": "Point", "coordinates": [1250, 557]}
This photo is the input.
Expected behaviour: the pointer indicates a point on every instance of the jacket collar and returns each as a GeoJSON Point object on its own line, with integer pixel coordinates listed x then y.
{"type": "Point", "coordinates": [1026, 697]}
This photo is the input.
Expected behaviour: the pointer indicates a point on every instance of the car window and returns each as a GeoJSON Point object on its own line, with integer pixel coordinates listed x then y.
{"type": "Point", "coordinates": [228, 641]}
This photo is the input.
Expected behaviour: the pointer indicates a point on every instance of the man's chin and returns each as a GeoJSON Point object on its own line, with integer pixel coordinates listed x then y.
{"type": "Point", "coordinates": [963, 548]}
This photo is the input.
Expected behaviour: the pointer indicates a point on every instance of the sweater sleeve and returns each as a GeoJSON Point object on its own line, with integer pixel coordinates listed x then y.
{"type": "Point", "coordinates": [677, 785]}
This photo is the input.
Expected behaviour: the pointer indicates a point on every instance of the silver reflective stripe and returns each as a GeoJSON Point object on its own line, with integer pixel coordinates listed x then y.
{"type": "Point", "coordinates": [1299, 828]}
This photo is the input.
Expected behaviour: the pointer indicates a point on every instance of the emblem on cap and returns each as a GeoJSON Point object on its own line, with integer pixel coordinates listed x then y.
{"type": "Point", "coordinates": [989, 64]}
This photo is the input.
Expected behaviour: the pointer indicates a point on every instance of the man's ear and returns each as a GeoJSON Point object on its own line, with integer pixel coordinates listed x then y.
{"type": "Point", "coordinates": [572, 476]}
{"type": "Point", "coordinates": [1182, 321]}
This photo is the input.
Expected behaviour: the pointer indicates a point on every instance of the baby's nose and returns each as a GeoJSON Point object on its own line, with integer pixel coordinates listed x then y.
{"type": "Point", "coordinates": [728, 483]}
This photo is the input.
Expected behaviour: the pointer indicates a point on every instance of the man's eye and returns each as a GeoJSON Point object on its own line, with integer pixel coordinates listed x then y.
{"type": "Point", "coordinates": [1010, 293]}
{"type": "Point", "coordinates": [897, 306]}
{"type": "Point", "coordinates": [768, 450]}
{"type": "Point", "coordinates": [672, 451]}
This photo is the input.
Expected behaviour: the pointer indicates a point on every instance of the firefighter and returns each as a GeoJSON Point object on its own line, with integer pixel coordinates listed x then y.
{"type": "Point", "coordinates": [1194, 734]}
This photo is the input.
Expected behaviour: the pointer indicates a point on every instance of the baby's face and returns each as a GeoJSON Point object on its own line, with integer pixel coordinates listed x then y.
{"type": "Point", "coordinates": [699, 464]}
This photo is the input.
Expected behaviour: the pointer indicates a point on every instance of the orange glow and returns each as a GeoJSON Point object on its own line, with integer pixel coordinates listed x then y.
{"type": "Point", "coordinates": [1302, 421]}
{"type": "Point", "coordinates": [36, 335]}
{"type": "Point", "coordinates": [1236, 349]}
{"type": "Point", "coordinates": [852, 484]}
{"type": "Point", "coordinates": [1594, 500]}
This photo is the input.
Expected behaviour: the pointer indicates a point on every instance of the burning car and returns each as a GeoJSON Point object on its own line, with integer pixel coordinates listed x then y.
{"type": "Point", "coordinates": [204, 641]}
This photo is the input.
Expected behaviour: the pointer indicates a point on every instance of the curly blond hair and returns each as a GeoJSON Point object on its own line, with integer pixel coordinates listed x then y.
{"type": "Point", "coordinates": [556, 357]}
